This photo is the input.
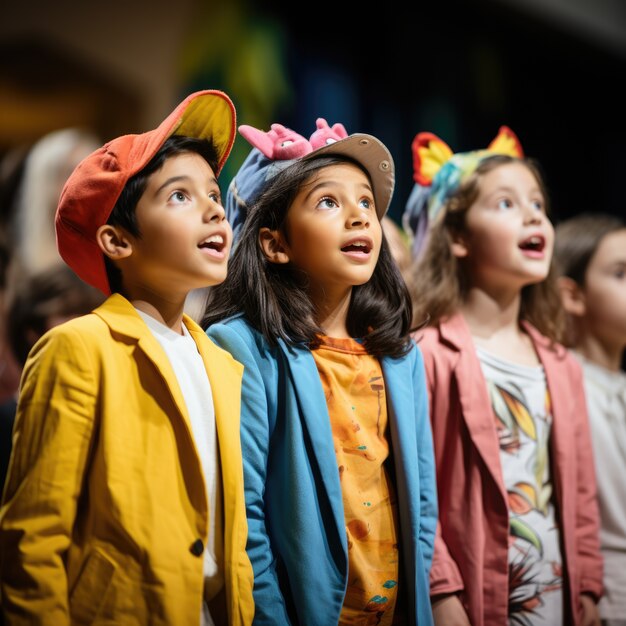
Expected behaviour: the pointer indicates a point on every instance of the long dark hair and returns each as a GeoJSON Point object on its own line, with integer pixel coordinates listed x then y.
{"type": "Point", "coordinates": [273, 297]}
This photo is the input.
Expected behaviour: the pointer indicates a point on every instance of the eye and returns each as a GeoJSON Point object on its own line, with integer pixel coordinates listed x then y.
{"type": "Point", "coordinates": [216, 197]}
{"type": "Point", "coordinates": [620, 274]}
{"type": "Point", "coordinates": [366, 203]}
{"type": "Point", "coordinates": [505, 204]}
{"type": "Point", "coordinates": [177, 197]}
{"type": "Point", "coordinates": [537, 205]}
{"type": "Point", "coordinates": [327, 203]}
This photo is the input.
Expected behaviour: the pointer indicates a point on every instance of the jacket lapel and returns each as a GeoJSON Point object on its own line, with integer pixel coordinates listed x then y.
{"type": "Point", "coordinates": [225, 376]}
{"type": "Point", "coordinates": [475, 403]}
{"type": "Point", "coordinates": [306, 393]}
{"type": "Point", "coordinates": [120, 315]}
{"type": "Point", "coordinates": [399, 391]}
{"type": "Point", "coordinates": [562, 438]}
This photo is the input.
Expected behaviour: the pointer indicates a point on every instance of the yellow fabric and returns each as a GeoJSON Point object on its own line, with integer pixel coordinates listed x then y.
{"type": "Point", "coordinates": [209, 117]}
{"type": "Point", "coordinates": [433, 156]}
{"type": "Point", "coordinates": [506, 143]}
{"type": "Point", "coordinates": [105, 494]}
{"type": "Point", "coordinates": [355, 394]}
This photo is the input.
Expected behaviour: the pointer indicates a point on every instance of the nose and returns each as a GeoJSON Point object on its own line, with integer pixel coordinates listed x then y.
{"type": "Point", "coordinates": [532, 215]}
{"type": "Point", "coordinates": [357, 216]}
{"type": "Point", "coordinates": [214, 211]}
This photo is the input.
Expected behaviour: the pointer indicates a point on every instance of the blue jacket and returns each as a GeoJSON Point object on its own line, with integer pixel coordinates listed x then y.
{"type": "Point", "coordinates": [297, 539]}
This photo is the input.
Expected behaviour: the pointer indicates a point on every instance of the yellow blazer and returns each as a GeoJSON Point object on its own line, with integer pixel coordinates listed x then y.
{"type": "Point", "coordinates": [104, 513]}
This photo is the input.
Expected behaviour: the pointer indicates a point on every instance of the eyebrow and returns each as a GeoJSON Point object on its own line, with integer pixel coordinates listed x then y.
{"type": "Point", "coordinates": [329, 183]}
{"type": "Point", "coordinates": [177, 179]}
{"type": "Point", "coordinates": [511, 190]}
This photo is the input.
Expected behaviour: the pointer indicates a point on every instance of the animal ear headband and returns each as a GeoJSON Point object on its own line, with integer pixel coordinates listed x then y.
{"type": "Point", "coordinates": [273, 151]}
{"type": "Point", "coordinates": [438, 173]}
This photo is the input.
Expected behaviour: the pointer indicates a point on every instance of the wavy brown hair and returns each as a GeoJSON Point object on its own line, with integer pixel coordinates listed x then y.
{"type": "Point", "coordinates": [439, 284]}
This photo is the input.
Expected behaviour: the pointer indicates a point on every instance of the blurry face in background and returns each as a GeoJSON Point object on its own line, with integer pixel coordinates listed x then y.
{"type": "Point", "coordinates": [605, 290]}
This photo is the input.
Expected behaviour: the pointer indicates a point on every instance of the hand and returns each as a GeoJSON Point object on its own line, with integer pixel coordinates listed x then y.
{"type": "Point", "coordinates": [591, 616]}
{"type": "Point", "coordinates": [448, 611]}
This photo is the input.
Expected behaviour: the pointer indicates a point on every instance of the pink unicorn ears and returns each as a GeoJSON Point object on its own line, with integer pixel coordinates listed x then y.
{"type": "Point", "coordinates": [282, 144]}
{"type": "Point", "coordinates": [326, 134]}
{"type": "Point", "coordinates": [278, 144]}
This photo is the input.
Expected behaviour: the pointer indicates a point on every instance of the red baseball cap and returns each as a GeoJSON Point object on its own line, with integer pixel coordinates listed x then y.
{"type": "Point", "coordinates": [94, 187]}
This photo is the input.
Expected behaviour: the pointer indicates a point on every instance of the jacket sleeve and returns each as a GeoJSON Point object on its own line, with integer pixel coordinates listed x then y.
{"type": "Point", "coordinates": [445, 575]}
{"type": "Point", "coordinates": [51, 441]}
{"type": "Point", "coordinates": [255, 440]}
{"type": "Point", "coordinates": [426, 460]}
{"type": "Point", "coordinates": [587, 513]}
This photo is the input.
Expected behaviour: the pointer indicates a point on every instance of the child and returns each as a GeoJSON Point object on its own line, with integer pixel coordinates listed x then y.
{"type": "Point", "coordinates": [517, 539]}
{"type": "Point", "coordinates": [590, 252]}
{"type": "Point", "coordinates": [124, 499]}
{"type": "Point", "coordinates": [338, 464]}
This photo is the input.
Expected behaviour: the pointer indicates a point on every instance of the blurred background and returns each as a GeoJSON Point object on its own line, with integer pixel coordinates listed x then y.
{"type": "Point", "coordinates": [552, 70]}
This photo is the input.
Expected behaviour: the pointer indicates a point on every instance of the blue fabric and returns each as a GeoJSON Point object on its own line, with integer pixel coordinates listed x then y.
{"type": "Point", "coordinates": [296, 529]}
{"type": "Point", "coordinates": [247, 185]}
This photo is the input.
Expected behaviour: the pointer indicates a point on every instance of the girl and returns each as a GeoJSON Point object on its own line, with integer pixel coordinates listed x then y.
{"type": "Point", "coordinates": [517, 539]}
{"type": "Point", "coordinates": [590, 251]}
{"type": "Point", "coordinates": [339, 468]}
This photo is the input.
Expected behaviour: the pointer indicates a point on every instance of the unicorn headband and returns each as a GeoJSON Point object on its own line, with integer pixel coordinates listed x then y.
{"type": "Point", "coordinates": [438, 173]}
{"type": "Point", "coordinates": [276, 149]}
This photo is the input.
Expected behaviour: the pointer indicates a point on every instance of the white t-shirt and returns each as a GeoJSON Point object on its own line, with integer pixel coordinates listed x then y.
{"type": "Point", "coordinates": [606, 403]}
{"type": "Point", "coordinates": [193, 380]}
{"type": "Point", "coordinates": [523, 421]}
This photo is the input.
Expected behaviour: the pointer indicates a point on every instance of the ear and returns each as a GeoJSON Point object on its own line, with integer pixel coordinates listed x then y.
{"type": "Point", "coordinates": [271, 242]}
{"type": "Point", "coordinates": [114, 242]}
{"type": "Point", "coordinates": [459, 247]}
{"type": "Point", "coordinates": [572, 296]}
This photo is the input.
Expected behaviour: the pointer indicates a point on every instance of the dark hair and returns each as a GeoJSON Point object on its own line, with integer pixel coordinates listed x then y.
{"type": "Point", "coordinates": [35, 299]}
{"type": "Point", "coordinates": [577, 240]}
{"type": "Point", "coordinates": [124, 211]}
{"type": "Point", "coordinates": [438, 281]}
{"type": "Point", "coordinates": [274, 297]}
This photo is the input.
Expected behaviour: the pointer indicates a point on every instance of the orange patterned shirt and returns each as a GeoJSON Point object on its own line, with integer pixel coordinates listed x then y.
{"type": "Point", "coordinates": [355, 395]}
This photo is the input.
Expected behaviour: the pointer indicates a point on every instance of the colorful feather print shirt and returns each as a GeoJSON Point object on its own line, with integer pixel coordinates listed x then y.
{"type": "Point", "coordinates": [355, 395]}
{"type": "Point", "coordinates": [523, 420]}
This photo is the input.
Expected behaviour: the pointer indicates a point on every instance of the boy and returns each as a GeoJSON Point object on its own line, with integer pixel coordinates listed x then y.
{"type": "Point", "coordinates": [124, 499]}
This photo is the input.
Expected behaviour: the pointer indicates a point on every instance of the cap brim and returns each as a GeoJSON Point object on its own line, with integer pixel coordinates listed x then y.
{"type": "Point", "coordinates": [208, 114]}
{"type": "Point", "coordinates": [374, 157]}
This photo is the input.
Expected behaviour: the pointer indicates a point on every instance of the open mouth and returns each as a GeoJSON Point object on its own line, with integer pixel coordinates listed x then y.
{"type": "Point", "coordinates": [361, 246]}
{"type": "Point", "coordinates": [536, 243]}
{"type": "Point", "coordinates": [215, 243]}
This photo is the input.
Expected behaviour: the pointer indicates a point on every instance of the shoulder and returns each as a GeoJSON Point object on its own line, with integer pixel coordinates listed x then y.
{"type": "Point", "coordinates": [552, 353]}
{"type": "Point", "coordinates": [427, 338]}
{"type": "Point", "coordinates": [86, 330]}
{"type": "Point", "coordinates": [73, 352]}
{"type": "Point", "coordinates": [232, 329]}
{"type": "Point", "coordinates": [238, 337]}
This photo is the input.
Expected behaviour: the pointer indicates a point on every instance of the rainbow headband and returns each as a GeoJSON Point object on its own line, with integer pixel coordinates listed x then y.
{"type": "Point", "coordinates": [438, 173]}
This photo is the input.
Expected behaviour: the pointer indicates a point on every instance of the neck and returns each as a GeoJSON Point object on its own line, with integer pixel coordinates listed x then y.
{"type": "Point", "coordinates": [487, 315]}
{"type": "Point", "coordinates": [169, 313]}
{"type": "Point", "coordinates": [606, 354]}
{"type": "Point", "coordinates": [331, 314]}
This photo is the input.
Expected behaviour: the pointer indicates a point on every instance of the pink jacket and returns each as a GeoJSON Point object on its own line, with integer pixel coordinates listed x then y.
{"type": "Point", "coordinates": [472, 535]}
